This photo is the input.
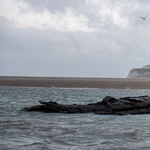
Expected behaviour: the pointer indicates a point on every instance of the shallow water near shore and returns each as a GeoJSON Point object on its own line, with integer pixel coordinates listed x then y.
{"type": "Point", "coordinates": [20, 130]}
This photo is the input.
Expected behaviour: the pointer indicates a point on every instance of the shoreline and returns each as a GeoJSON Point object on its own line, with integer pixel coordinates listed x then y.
{"type": "Point", "coordinates": [75, 82]}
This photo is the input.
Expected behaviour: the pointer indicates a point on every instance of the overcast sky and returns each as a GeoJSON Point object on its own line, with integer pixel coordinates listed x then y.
{"type": "Point", "coordinates": [73, 38]}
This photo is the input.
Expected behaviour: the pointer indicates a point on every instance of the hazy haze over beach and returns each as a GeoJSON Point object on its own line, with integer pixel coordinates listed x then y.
{"type": "Point", "coordinates": [69, 38]}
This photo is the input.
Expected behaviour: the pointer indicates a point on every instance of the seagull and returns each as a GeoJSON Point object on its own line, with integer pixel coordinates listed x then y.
{"type": "Point", "coordinates": [144, 18]}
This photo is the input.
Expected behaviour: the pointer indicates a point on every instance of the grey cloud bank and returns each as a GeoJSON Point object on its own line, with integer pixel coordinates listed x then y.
{"type": "Point", "coordinates": [73, 38]}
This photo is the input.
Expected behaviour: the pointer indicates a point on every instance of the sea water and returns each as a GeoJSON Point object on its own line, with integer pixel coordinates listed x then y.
{"type": "Point", "coordinates": [21, 130]}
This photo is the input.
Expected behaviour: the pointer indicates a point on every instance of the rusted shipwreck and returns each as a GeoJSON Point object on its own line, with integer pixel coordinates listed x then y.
{"type": "Point", "coordinates": [109, 105]}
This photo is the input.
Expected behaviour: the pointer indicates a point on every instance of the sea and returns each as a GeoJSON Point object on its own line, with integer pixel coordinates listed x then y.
{"type": "Point", "coordinates": [22, 130]}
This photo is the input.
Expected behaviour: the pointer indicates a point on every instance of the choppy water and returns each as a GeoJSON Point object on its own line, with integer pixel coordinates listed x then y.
{"type": "Point", "coordinates": [20, 130]}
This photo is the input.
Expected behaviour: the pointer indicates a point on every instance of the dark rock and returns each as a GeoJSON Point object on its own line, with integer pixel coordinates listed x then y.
{"type": "Point", "coordinates": [109, 105]}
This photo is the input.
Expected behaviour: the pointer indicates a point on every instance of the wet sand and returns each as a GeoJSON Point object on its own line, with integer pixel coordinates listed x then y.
{"type": "Point", "coordinates": [117, 83]}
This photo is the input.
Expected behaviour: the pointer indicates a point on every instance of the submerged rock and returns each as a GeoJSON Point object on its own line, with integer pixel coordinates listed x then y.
{"type": "Point", "coordinates": [109, 105]}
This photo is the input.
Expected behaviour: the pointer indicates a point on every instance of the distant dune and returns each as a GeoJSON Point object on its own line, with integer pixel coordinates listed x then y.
{"type": "Point", "coordinates": [117, 83]}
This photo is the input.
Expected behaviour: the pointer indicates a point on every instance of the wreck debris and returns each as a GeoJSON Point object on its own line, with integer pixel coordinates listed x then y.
{"type": "Point", "coordinates": [109, 105]}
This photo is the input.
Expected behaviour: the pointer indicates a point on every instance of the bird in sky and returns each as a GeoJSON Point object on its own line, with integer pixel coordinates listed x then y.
{"type": "Point", "coordinates": [144, 18]}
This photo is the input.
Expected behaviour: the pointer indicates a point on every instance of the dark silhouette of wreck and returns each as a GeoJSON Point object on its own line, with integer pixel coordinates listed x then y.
{"type": "Point", "coordinates": [109, 105]}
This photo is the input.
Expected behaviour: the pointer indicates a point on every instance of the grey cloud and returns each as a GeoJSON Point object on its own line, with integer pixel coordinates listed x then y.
{"type": "Point", "coordinates": [49, 53]}
{"type": "Point", "coordinates": [105, 53]}
{"type": "Point", "coordinates": [128, 10]}
{"type": "Point", "coordinates": [56, 5]}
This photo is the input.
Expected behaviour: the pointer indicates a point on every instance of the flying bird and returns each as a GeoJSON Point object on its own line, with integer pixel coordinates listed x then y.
{"type": "Point", "coordinates": [144, 18]}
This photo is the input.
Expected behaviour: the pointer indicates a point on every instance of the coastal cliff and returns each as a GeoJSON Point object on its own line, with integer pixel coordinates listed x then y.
{"type": "Point", "coordinates": [143, 72]}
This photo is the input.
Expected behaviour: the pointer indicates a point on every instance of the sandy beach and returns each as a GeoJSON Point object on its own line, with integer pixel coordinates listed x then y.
{"type": "Point", "coordinates": [117, 83]}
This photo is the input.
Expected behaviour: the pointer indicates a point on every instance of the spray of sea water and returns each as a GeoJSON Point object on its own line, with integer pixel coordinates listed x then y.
{"type": "Point", "coordinates": [21, 130]}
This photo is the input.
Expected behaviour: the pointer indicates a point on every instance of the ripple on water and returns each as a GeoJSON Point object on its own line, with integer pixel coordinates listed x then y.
{"type": "Point", "coordinates": [20, 130]}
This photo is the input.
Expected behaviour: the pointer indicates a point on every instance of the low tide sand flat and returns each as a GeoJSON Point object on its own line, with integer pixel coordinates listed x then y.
{"type": "Point", "coordinates": [66, 82]}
